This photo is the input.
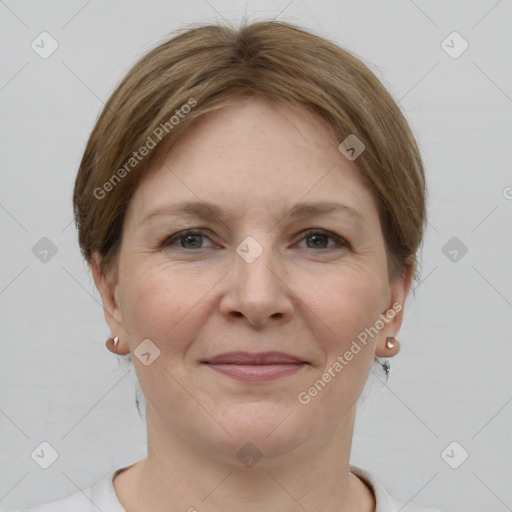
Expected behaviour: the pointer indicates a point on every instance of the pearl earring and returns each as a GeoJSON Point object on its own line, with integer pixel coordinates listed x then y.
{"type": "Point", "coordinates": [390, 342]}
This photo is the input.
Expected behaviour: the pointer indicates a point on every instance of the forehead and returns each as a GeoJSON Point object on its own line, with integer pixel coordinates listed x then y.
{"type": "Point", "coordinates": [255, 157]}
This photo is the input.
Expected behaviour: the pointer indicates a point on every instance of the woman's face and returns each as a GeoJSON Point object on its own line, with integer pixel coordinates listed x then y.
{"type": "Point", "coordinates": [253, 280]}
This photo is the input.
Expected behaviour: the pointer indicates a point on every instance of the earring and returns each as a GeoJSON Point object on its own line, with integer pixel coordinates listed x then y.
{"type": "Point", "coordinates": [111, 344]}
{"type": "Point", "coordinates": [390, 342]}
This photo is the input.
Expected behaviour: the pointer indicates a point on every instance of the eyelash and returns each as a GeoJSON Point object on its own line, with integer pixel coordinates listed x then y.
{"type": "Point", "coordinates": [168, 241]}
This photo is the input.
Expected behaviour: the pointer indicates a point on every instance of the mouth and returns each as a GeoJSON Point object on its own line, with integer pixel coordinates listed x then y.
{"type": "Point", "coordinates": [258, 367]}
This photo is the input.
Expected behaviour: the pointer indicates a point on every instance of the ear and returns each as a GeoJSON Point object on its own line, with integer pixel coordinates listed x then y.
{"type": "Point", "coordinates": [106, 281]}
{"type": "Point", "coordinates": [394, 312]}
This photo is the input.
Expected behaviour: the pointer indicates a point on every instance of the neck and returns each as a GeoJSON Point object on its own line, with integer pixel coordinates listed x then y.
{"type": "Point", "coordinates": [179, 475]}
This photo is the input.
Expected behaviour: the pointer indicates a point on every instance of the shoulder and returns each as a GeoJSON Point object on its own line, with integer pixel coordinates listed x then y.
{"type": "Point", "coordinates": [101, 496]}
{"type": "Point", "coordinates": [384, 501]}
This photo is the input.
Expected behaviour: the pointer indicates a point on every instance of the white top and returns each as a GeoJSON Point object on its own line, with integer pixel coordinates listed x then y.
{"type": "Point", "coordinates": [102, 496]}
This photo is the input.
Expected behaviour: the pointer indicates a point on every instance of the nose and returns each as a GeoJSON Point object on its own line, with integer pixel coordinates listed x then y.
{"type": "Point", "coordinates": [257, 291]}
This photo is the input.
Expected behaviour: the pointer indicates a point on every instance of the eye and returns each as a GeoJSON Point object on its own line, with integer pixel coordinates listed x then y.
{"type": "Point", "coordinates": [185, 239]}
{"type": "Point", "coordinates": [315, 239]}
{"type": "Point", "coordinates": [320, 237]}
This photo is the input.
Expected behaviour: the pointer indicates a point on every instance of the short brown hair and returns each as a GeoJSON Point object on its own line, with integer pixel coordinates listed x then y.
{"type": "Point", "coordinates": [212, 65]}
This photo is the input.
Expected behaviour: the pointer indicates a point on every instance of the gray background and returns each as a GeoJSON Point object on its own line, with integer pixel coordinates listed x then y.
{"type": "Point", "coordinates": [450, 382]}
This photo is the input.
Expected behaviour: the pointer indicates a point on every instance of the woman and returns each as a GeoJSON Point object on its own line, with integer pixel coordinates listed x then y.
{"type": "Point", "coordinates": [250, 203]}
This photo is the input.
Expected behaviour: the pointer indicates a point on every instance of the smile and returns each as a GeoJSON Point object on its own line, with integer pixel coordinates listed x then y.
{"type": "Point", "coordinates": [257, 373]}
{"type": "Point", "coordinates": [260, 367]}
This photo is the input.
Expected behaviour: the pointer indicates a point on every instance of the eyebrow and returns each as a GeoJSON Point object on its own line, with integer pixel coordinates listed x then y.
{"type": "Point", "coordinates": [206, 211]}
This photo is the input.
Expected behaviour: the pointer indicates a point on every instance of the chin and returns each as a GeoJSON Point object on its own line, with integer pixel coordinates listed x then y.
{"type": "Point", "coordinates": [267, 430]}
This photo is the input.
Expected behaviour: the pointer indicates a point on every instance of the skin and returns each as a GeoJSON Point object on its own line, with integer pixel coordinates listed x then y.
{"type": "Point", "coordinates": [198, 298]}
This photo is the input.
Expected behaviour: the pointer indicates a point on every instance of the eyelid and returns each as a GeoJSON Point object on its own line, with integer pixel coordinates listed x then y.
{"type": "Point", "coordinates": [168, 240]}
{"type": "Point", "coordinates": [341, 241]}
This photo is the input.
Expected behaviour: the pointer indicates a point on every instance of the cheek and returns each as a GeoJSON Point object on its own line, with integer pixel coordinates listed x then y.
{"type": "Point", "coordinates": [161, 304]}
{"type": "Point", "coordinates": [347, 301]}
{"type": "Point", "coordinates": [155, 301]}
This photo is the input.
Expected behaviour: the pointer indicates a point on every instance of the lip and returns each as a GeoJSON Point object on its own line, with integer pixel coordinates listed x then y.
{"type": "Point", "coordinates": [257, 358]}
{"type": "Point", "coordinates": [255, 367]}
